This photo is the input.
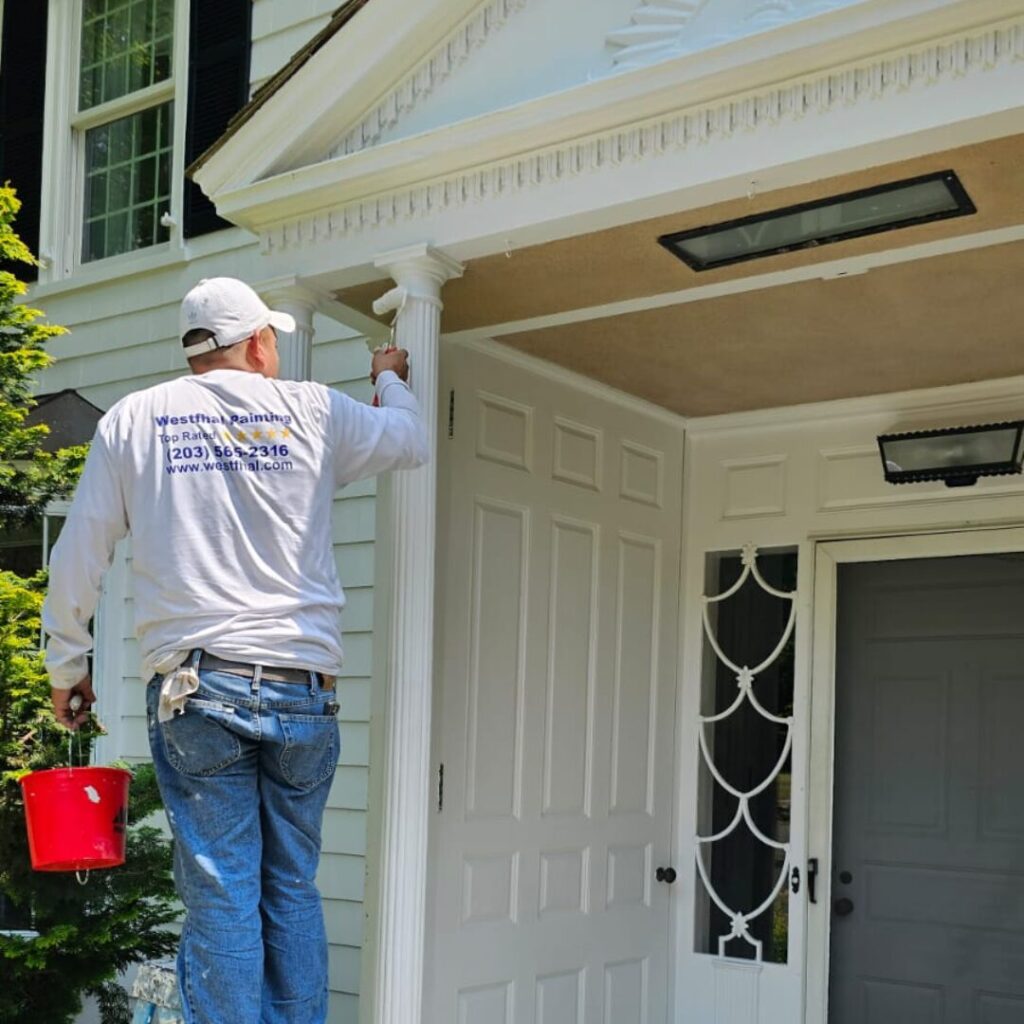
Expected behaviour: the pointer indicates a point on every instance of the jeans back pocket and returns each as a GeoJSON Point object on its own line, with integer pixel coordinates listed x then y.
{"type": "Point", "coordinates": [310, 749]}
{"type": "Point", "coordinates": [199, 742]}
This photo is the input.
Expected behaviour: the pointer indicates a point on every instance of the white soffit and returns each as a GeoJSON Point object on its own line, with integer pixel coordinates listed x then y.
{"type": "Point", "coordinates": [871, 48]}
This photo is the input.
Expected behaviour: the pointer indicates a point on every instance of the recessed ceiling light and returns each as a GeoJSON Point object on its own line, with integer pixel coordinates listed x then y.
{"type": "Point", "coordinates": [865, 212]}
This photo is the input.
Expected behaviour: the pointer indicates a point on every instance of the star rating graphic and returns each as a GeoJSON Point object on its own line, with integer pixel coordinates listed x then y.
{"type": "Point", "coordinates": [255, 435]}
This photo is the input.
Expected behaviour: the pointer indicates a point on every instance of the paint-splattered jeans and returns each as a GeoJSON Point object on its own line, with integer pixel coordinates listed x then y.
{"type": "Point", "coordinates": [244, 775]}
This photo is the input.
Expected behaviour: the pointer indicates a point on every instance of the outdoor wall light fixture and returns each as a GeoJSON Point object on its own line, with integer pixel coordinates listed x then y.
{"type": "Point", "coordinates": [956, 455]}
{"type": "Point", "coordinates": [899, 204]}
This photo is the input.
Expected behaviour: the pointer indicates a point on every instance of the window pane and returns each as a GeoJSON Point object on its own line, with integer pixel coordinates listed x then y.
{"type": "Point", "coordinates": [14, 917]}
{"type": "Point", "coordinates": [128, 165]}
{"type": "Point", "coordinates": [126, 46]}
{"type": "Point", "coordinates": [746, 712]}
{"type": "Point", "coordinates": [21, 551]}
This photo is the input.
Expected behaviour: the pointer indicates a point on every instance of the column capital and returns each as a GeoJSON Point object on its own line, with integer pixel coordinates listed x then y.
{"type": "Point", "coordinates": [290, 290]}
{"type": "Point", "coordinates": [290, 295]}
{"type": "Point", "coordinates": [420, 269]}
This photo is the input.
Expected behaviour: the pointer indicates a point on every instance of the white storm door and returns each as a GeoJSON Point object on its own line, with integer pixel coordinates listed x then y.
{"type": "Point", "coordinates": [555, 702]}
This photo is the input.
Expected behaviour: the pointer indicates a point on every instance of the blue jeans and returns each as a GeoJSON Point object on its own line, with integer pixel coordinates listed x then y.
{"type": "Point", "coordinates": [244, 775]}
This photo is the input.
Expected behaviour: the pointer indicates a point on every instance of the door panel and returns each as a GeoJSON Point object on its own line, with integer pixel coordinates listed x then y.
{"type": "Point", "coordinates": [556, 697]}
{"type": "Point", "coordinates": [928, 850]}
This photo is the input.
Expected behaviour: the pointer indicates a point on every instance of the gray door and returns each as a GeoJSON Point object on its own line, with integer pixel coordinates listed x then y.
{"type": "Point", "coordinates": [928, 848]}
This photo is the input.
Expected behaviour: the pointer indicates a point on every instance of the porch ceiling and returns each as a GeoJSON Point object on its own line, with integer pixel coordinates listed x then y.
{"type": "Point", "coordinates": [943, 319]}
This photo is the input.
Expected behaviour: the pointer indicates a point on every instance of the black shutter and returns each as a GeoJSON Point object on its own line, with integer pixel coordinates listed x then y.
{"type": "Point", "coordinates": [218, 87]}
{"type": "Point", "coordinates": [22, 95]}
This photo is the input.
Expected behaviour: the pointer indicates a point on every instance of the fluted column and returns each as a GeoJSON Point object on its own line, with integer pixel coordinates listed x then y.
{"type": "Point", "coordinates": [289, 295]}
{"type": "Point", "coordinates": [419, 273]}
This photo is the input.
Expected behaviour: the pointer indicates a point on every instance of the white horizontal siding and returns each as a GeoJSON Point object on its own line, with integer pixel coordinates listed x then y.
{"type": "Point", "coordinates": [343, 364]}
{"type": "Point", "coordinates": [123, 337]}
{"type": "Point", "coordinates": [343, 1008]}
{"type": "Point", "coordinates": [279, 29]}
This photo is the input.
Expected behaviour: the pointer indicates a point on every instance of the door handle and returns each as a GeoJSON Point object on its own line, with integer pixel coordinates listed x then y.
{"type": "Point", "coordinates": [843, 906]}
{"type": "Point", "coordinates": [666, 875]}
{"type": "Point", "coordinates": [812, 879]}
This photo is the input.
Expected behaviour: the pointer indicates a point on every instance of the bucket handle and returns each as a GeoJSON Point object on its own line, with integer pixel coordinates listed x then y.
{"type": "Point", "coordinates": [75, 703]}
{"type": "Point", "coordinates": [82, 877]}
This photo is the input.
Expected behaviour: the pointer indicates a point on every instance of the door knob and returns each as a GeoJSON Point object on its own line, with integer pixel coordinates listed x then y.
{"type": "Point", "coordinates": [667, 875]}
{"type": "Point", "coordinates": [843, 906]}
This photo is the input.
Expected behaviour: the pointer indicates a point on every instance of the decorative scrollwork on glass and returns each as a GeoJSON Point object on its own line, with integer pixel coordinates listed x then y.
{"type": "Point", "coordinates": [746, 676]}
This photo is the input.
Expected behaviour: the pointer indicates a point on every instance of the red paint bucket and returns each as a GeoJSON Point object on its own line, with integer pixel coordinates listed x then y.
{"type": "Point", "coordinates": [76, 817]}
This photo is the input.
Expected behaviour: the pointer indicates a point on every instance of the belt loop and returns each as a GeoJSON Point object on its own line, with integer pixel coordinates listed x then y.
{"type": "Point", "coordinates": [257, 675]}
{"type": "Point", "coordinates": [314, 682]}
{"type": "Point", "coordinates": [197, 657]}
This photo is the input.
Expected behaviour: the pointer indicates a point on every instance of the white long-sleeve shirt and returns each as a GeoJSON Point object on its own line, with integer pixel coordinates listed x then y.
{"type": "Point", "coordinates": [225, 481]}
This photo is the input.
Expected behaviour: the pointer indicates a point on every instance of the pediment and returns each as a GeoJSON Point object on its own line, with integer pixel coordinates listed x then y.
{"type": "Point", "coordinates": [512, 51]}
{"type": "Point", "coordinates": [506, 53]}
{"type": "Point", "coordinates": [496, 96]}
{"type": "Point", "coordinates": [382, 72]}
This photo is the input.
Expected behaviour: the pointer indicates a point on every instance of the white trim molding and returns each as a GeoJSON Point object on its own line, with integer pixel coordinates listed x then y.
{"type": "Point", "coordinates": [493, 349]}
{"type": "Point", "coordinates": [300, 122]}
{"type": "Point", "coordinates": [65, 127]}
{"type": "Point", "coordinates": [419, 273]}
{"type": "Point", "coordinates": [427, 76]}
{"type": "Point", "coordinates": [872, 51]}
{"type": "Point", "coordinates": [841, 88]}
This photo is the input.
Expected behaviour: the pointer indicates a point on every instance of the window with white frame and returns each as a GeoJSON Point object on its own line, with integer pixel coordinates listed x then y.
{"type": "Point", "coordinates": [124, 124]}
{"type": "Point", "coordinates": [135, 90]}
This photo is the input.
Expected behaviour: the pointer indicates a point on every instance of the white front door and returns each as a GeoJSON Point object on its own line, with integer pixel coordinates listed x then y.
{"type": "Point", "coordinates": [555, 700]}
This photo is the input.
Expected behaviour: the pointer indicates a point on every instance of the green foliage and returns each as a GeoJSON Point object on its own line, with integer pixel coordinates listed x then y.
{"type": "Point", "coordinates": [86, 933]}
{"type": "Point", "coordinates": [29, 477]}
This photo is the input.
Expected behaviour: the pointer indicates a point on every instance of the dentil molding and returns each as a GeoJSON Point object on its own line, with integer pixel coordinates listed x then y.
{"type": "Point", "coordinates": [427, 76]}
{"type": "Point", "coordinates": [870, 80]}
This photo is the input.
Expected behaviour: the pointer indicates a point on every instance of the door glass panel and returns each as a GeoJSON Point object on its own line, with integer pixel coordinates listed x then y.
{"type": "Point", "coordinates": [745, 755]}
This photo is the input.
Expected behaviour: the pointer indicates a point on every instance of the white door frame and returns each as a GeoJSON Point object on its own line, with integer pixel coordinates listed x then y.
{"type": "Point", "coordinates": [829, 555]}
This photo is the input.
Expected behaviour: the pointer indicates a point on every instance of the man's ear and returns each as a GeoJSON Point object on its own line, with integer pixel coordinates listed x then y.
{"type": "Point", "coordinates": [254, 352]}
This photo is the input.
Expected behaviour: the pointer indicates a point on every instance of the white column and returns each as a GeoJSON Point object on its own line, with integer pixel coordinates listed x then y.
{"type": "Point", "coordinates": [419, 273]}
{"type": "Point", "coordinates": [289, 295]}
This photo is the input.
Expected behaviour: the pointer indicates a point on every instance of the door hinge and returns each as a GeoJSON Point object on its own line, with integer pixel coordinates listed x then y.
{"type": "Point", "coordinates": [451, 413]}
{"type": "Point", "coordinates": [440, 787]}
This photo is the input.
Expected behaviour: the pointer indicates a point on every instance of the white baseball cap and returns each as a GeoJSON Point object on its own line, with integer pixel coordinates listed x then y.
{"type": "Point", "coordinates": [230, 310]}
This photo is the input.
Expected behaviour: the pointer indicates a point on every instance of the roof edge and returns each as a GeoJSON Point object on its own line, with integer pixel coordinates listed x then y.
{"type": "Point", "coordinates": [339, 19]}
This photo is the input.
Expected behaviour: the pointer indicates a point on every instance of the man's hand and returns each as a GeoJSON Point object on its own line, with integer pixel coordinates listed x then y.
{"type": "Point", "coordinates": [396, 359]}
{"type": "Point", "coordinates": [62, 703]}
